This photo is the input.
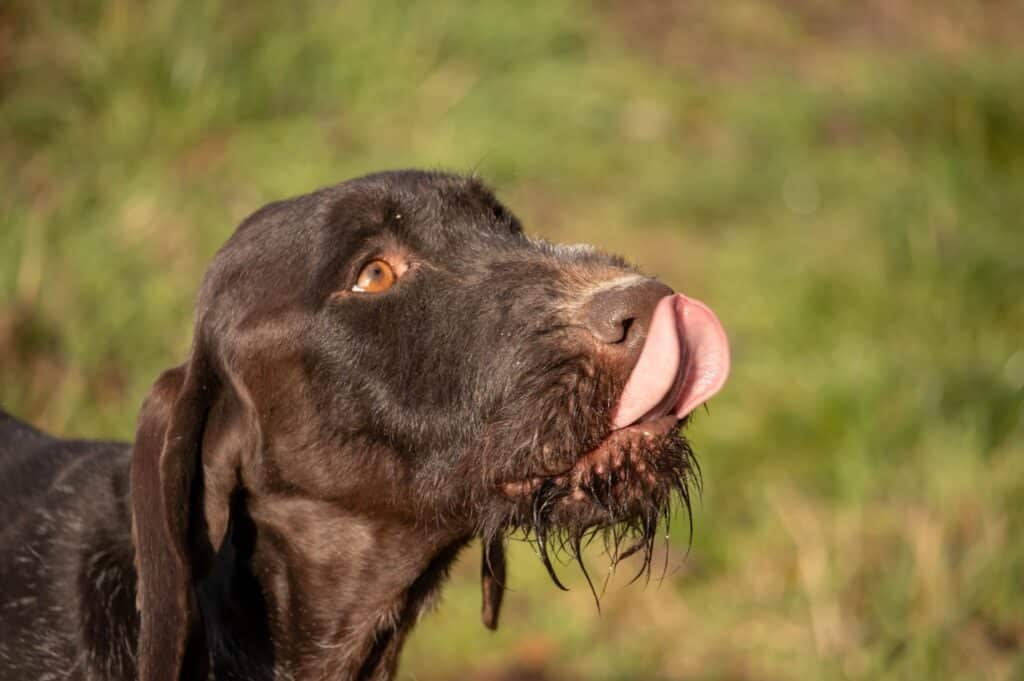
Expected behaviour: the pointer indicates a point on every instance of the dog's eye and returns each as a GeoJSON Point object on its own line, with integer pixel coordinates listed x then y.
{"type": "Point", "coordinates": [375, 277]}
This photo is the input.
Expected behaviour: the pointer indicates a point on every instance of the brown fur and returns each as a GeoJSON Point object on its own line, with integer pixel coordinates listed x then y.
{"type": "Point", "coordinates": [300, 486]}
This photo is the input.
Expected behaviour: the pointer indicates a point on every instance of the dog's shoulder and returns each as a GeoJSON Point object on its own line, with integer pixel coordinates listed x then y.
{"type": "Point", "coordinates": [65, 544]}
{"type": "Point", "coordinates": [16, 435]}
{"type": "Point", "coordinates": [32, 463]}
{"type": "Point", "coordinates": [29, 461]}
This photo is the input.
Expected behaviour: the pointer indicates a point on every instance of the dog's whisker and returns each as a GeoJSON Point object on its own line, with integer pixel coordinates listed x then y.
{"type": "Point", "coordinates": [577, 550]}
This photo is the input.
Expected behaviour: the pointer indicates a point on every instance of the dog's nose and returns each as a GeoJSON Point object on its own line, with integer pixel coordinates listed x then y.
{"type": "Point", "coordinates": [621, 315]}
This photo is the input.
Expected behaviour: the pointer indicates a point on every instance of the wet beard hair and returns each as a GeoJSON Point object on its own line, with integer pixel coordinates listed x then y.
{"type": "Point", "coordinates": [560, 527]}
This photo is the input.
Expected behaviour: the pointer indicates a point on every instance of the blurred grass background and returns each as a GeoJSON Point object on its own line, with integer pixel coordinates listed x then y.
{"type": "Point", "coordinates": [842, 182]}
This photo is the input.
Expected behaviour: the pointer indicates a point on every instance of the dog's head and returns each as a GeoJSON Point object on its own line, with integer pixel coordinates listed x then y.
{"type": "Point", "coordinates": [397, 346]}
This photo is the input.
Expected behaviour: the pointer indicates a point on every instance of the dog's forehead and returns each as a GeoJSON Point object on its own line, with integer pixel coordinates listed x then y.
{"type": "Point", "coordinates": [431, 211]}
{"type": "Point", "coordinates": [457, 222]}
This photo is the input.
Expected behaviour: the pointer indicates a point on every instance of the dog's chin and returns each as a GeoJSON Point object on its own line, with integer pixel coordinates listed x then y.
{"type": "Point", "coordinates": [622, 490]}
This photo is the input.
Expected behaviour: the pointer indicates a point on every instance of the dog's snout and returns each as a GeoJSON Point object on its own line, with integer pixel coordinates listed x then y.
{"type": "Point", "coordinates": [621, 315]}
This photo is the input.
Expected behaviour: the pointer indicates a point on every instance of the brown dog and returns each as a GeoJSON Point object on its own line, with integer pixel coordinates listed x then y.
{"type": "Point", "coordinates": [381, 371]}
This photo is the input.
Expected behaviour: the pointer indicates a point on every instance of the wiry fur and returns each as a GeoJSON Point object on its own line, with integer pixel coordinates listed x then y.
{"type": "Point", "coordinates": [300, 486]}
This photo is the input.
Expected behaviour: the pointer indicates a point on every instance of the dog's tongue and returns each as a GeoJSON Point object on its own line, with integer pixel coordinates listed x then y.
{"type": "Point", "coordinates": [685, 341]}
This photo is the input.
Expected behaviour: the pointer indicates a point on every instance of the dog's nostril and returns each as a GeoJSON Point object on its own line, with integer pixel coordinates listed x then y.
{"type": "Point", "coordinates": [619, 315]}
{"type": "Point", "coordinates": [612, 330]}
{"type": "Point", "coordinates": [625, 325]}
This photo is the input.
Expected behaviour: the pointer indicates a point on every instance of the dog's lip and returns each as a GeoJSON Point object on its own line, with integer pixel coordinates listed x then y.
{"type": "Point", "coordinates": [608, 454]}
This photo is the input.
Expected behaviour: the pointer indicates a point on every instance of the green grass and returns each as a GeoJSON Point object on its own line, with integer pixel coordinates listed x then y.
{"type": "Point", "coordinates": [846, 189]}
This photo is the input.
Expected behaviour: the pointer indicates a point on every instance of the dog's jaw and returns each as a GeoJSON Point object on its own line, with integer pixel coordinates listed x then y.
{"type": "Point", "coordinates": [623, 460]}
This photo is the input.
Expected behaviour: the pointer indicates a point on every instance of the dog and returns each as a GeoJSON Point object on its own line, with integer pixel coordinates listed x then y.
{"type": "Point", "coordinates": [381, 371]}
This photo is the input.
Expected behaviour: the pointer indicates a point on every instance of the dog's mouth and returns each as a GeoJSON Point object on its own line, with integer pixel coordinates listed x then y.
{"type": "Point", "coordinates": [684, 361]}
{"type": "Point", "coordinates": [624, 486]}
{"type": "Point", "coordinates": [621, 468]}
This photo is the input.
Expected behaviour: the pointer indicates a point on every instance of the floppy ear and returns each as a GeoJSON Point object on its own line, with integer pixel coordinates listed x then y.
{"type": "Point", "coordinates": [178, 519]}
{"type": "Point", "coordinates": [492, 580]}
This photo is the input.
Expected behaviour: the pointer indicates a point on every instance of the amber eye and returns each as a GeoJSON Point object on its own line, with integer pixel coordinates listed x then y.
{"type": "Point", "coordinates": [375, 277]}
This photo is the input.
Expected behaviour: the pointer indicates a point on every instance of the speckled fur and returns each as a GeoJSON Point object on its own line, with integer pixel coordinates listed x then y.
{"type": "Point", "coordinates": [300, 486]}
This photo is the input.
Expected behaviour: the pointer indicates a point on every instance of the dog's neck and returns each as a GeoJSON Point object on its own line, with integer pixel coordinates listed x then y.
{"type": "Point", "coordinates": [313, 592]}
{"type": "Point", "coordinates": [299, 590]}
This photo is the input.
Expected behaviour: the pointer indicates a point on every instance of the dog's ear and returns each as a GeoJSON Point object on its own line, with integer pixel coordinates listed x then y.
{"type": "Point", "coordinates": [184, 467]}
{"type": "Point", "coordinates": [492, 580]}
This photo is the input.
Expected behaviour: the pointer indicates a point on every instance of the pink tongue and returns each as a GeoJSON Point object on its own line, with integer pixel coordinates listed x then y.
{"type": "Point", "coordinates": [684, 336]}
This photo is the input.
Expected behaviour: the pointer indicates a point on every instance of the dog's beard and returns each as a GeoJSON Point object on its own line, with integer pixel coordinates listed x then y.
{"type": "Point", "coordinates": [571, 482]}
{"type": "Point", "coordinates": [625, 514]}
